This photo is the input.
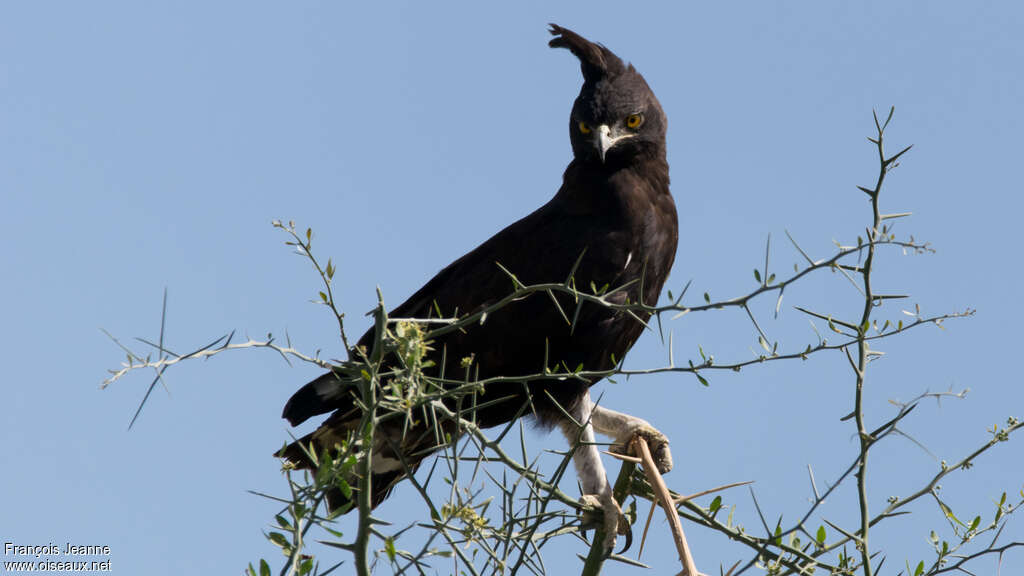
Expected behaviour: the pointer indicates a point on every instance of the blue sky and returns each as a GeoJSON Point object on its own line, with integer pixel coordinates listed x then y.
{"type": "Point", "coordinates": [149, 145]}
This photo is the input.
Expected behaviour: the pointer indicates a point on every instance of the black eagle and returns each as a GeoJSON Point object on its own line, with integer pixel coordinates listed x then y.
{"type": "Point", "coordinates": [614, 220]}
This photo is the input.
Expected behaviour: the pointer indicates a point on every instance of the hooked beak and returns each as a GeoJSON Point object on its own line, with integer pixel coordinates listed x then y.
{"type": "Point", "coordinates": [605, 139]}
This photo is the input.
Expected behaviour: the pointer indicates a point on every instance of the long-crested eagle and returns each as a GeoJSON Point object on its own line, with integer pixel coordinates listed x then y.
{"type": "Point", "coordinates": [612, 223]}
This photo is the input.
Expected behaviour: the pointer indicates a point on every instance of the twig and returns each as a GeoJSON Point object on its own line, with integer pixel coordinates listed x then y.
{"type": "Point", "coordinates": [681, 499]}
{"type": "Point", "coordinates": [647, 526]}
{"type": "Point", "coordinates": [658, 483]}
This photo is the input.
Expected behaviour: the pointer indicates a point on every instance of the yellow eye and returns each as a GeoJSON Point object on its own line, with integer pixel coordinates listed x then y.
{"type": "Point", "coordinates": [634, 120]}
{"type": "Point", "coordinates": [584, 128]}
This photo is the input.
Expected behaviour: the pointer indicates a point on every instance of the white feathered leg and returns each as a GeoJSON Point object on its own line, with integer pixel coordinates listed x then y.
{"type": "Point", "coordinates": [587, 458]}
{"type": "Point", "coordinates": [590, 471]}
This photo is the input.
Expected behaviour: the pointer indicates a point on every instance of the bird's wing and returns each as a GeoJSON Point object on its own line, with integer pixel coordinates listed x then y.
{"type": "Point", "coordinates": [477, 280]}
{"type": "Point", "coordinates": [468, 284]}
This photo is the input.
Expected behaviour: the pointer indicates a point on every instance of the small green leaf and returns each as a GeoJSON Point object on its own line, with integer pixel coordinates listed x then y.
{"type": "Point", "coordinates": [279, 539]}
{"type": "Point", "coordinates": [763, 343]}
{"type": "Point", "coordinates": [974, 523]}
{"type": "Point", "coordinates": [323, 472]}
{"type": "Point", "coordinates": [282, 522]}
{"type": "Point", "coordinates": [264, 568]}
{"type": "Point", "coordinates": [715, 504]}
{"type": "Point", "coordinates": [821, 535]}
{"type": "Point", "coordinates": [920, 568]}
{"type": "Point", "coordinates": [309, 235]}
{"type": "Point", "coordinates": [389, 548]}
{"type": "Point", "coordinates": [330, 269]}
{"type": "Point", "coordinates": [701, 379]}
{"type": "Point", "coordinates": [346, 489]}
{"type": "Point", "coordinates": [949, 513]}
{"type": "Point", "coordinates": [757, 275]}
{"type": "Point", "coordinates": [707, 298]}
{"type": "Point", "coordinates": [323, 297]}
{"type": "Point", "coordinates": [771, 278]}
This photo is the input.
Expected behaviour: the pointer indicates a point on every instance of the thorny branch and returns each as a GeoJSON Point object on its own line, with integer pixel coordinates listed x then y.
{"type": "Point", "coordinates": [481, 535]}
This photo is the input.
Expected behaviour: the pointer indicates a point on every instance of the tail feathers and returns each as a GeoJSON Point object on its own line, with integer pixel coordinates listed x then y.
{"type": "Point", "coordinates": [297, 454]}
{"type": "Point", "coordinates": [386, 468]}
{"type": "Point", "coordinates": [327, 393]}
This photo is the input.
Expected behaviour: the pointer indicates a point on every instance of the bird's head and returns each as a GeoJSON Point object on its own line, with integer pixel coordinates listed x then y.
{"type": "Point", "coordinates": [616, 116]}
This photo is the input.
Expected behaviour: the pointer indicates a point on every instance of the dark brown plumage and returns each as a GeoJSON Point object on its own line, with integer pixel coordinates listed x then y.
{"type": "Point", "coordinates": [613, 208]}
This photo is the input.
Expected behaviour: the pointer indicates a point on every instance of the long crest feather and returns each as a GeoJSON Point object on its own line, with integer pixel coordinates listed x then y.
{"type": "Point", "coordinates": [596, 61]}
